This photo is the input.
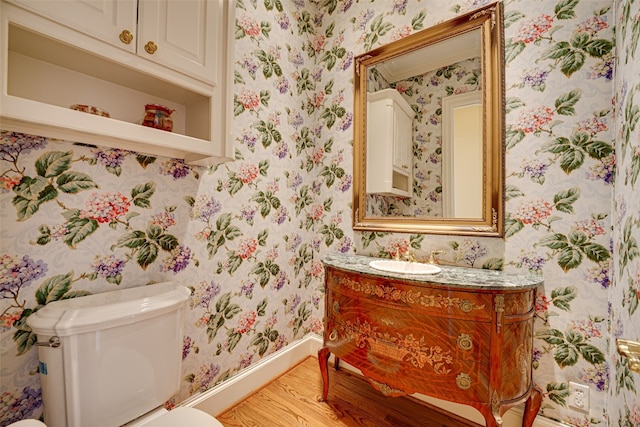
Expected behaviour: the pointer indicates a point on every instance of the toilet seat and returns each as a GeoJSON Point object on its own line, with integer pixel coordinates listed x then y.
{"type": "Point", "coordinates": [183, 416]}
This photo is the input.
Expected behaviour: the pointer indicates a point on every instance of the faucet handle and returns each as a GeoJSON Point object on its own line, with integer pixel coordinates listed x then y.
{"type": "Point", "coordinates": [433, 256]}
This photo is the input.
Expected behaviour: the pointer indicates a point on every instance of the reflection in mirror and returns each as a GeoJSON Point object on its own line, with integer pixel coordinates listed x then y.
{"type": "Point", "coordinates": [462, 155]}
{"type": "Point", "coordinates": [428, 144]}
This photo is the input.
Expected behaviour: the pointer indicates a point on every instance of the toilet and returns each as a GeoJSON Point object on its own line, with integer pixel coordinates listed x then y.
{"type": "Point", "coordinates": [114, 359]}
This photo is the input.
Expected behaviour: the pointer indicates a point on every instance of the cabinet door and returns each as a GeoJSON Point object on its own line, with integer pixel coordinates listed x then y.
{"type": "Point", "coordinates": [403, 133]}
{"type": "Point", "coordinates": [105, 20]}
{"type": "Point", "coordinates": [181, 35]}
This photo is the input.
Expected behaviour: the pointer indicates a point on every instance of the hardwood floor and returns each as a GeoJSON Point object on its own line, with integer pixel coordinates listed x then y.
{"type": "Point", "coordinates": [293, 400]}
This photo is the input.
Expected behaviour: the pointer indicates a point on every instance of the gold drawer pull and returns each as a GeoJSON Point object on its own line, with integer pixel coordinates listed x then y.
{"type": "Point", "coordinates": [336, 307]}
{"type": "Point", "coordinates": [126, 37]}
{"type": "Point", "coordinates": [463, 381]}
{"type": "Point", "coordinates": [465, 342]}
{"type": "Point", "coordinates": [333, 336]}
{"type": "Point", "coordinates": [466, 305]}
{"type": "Point", "coordinates": [150, 48]}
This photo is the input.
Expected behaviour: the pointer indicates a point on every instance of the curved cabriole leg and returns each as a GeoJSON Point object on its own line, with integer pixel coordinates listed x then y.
{"type": "Point", "coordinates": [531, 407]}
{"type": "Point", "coordinates": [323, 360]}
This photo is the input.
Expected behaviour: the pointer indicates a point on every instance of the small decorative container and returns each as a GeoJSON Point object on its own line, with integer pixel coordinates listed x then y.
{"type": "Point", "coordinates": [90, 109]}
{"type": "Point", "coordinates": [158, 116]}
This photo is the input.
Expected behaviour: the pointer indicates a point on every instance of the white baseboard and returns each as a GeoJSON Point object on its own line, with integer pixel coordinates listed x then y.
{"type": "Point", "coordinates": [223, 396]}
{"type": "Point", "coordinates": [219, 398]}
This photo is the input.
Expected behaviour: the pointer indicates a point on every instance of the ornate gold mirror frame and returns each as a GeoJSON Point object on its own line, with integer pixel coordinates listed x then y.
{"type": "Point", "coordinates": [487, 22]}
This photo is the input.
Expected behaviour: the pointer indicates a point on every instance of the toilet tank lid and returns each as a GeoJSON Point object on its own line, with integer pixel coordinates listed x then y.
{"type": "Point", "coordinates": [109, 309]}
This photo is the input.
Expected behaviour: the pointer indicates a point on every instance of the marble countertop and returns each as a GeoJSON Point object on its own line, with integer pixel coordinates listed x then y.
{"type": "Point", "coordinates": [449, 275]}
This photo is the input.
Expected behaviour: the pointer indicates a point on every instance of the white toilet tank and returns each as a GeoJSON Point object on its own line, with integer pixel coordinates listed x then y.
{"type": "Point", "coordinates": [120, 354]}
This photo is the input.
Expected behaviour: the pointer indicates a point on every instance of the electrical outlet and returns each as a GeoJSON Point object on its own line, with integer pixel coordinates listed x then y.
{"type": "Point", "coordinates": [579, 397]}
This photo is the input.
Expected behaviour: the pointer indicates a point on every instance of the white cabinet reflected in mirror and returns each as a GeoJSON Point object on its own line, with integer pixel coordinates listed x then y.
{"type": "Point", "coordinates": [451, 78]}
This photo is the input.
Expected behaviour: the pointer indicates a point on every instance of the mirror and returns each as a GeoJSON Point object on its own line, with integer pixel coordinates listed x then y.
{"type": "Point", "coordinates": [428, 130]}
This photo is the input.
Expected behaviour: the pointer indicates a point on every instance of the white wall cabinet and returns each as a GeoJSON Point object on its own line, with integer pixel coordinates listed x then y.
{"type": "Point", "coordinates": [389, 144]}
{"type": "Point", "coordinates": [59, 53]}
{"type": "Point", "coordinates": [177, 34]}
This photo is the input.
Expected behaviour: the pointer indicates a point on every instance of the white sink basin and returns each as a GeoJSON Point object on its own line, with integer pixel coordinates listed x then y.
{"type": "Point", "coordinates": [404, 267]}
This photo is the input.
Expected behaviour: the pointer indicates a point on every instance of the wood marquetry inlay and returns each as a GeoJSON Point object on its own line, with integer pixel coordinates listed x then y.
{"type": "Point", "coordinates": [386, 389]}
{"type": "Point", "coordinates": [391, 293]}
{"type": "Point", "coordinates": [398, 347]}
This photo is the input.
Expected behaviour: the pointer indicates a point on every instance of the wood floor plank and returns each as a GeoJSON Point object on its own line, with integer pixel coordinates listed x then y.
{"type": "Point", "coordinates": [293, 400]}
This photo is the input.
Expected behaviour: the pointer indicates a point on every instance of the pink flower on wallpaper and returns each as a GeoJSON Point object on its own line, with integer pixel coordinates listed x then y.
{"type": "Point", "coordinates": [317, 210]}
{"type": "Point", "coordinates": [533, 211]}
{"type": "Point", "coordinates": [246, 248]}
{"type": "Point", "coordinates": [245, 322]}
{"type": "Point", "coordinates": [106, 207]}
{"type": "Point", "coordinates": [318, 42]}
{"type": "Point", "coordinates": [534, 119]}
{"type": "Point", "coordinates": [247, 173]}
{"type": "Point", "coordinates": [8, 182]}
{"type": "Point", "coordinates": [317, 154]}
{"type": "Point", "coordinates": [250, 26]}
{"type": "Point", "coordinates": [249, 99]}
{"type": "Point", "coordinates": [534, 29]}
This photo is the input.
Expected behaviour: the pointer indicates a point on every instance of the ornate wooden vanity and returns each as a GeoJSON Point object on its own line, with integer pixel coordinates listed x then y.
{"type": "Point", "coordinates": [463, 335]}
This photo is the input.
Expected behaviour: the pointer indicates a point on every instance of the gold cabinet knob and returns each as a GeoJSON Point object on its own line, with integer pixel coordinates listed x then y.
{"type": "Point", "coordinates": [126, 37]}
{"type": "Point", "coordinates": [336, 307]}
{"type": "Point", "coordinates": [150, 48]}
{"type": "Point", "coordinates": [333, 335]}
{"type": "Point", "coordinates": [463, 381]}
{"type": "Point", "coordinates": [465, 342]}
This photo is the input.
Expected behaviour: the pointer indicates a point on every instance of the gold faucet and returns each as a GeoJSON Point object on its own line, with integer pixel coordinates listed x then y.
{"type": "Point", "coordinates": [408, 255]}
{"type": "Point", "coordinates": [433, 256]}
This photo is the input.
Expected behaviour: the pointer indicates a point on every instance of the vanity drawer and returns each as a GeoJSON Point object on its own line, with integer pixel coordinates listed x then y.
{"type": "Point", "coordinates": [411, 329]}
{"type": "Point", "coordinates": [436, 300]}
{"type": "Point", "coordinates": [397, 370]}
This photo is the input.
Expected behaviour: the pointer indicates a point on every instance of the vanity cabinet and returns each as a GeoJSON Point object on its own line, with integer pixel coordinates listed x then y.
{"type": "Point", "coordinates": [389, 144]}
{"type": "Point", "coordinates": [461, 335]}
{"type": "Point", "coordinates": [119, 56]}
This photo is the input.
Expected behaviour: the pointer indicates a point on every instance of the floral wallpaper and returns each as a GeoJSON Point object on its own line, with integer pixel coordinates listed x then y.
{"type": "Point", "coordinates": [424, 94]}
{"type": "Point", "coordinates": [248, 236]}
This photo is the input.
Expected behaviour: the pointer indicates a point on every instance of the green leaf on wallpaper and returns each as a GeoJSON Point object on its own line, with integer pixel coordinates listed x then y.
{"type": "Point", "coordinates": [30, 194]}
{"type": "Point", "coordinates": [24, 336]}
{"type": "Point", "coordinates": [569, 258]}
{"type": "Point", "coordinates": [233, 262]}
{"type": "Point", "coordinates": [572, 62]}
{"type": "Point", "coordinates": [512, 226]}
{"type": "Point", "coordinates": [141, 193]}
{"type": "Point", "coordinates": [147, 253]}
{"type": "Point", "coordinates": [493, 264]}
{"type": "Point", "coordinates": [167, 242]}
{"type": "Point", "coordinates": [513, 137]}
{"type": "Point", "coordinates": [145, 161]}
{"type": "Point", "coordinates": [132, 240]}
{"type": "Point", "coordinates": [599, 47]}
{"type": "Point", "coordinates": [555, 241]}
{"type": "Point", "coordinates": [54, 288]}
{"type": "Point", "coordinates": [558, 392]}
{"type": "Point", "coordinates": [329, 5]}
{"type": "Point", "coordinates": [73, 182]}
{"type": "Point", "coordinates": [53, 163]}
{"type": "Point", "coordinates": [564, 200]}
{"type": "Point", "coordinates": [78, 230]}
{"type": "Point", "coordinates": [565, 9]}
{"type": "Point", "coordinates": [233, 338]}
{"type": "Point", "coordinates": [262, 237]}
{"type": "Point", "coordinates": [596, 252]}
{"type": "Point", "coordinates": [417, 22]}
{"type": "Point", "coordinates": [571, 160]}
{"type": "Point", "coordinates": [565, 103]}
{"type": "Point", "coordinates": [511, 17]}
{"type": "Point", "coordinates": [561, 297]}
{"type": "Point", "coordinates": [512, 50]}
{"type": "Point", "coordinates": [261, 308]}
